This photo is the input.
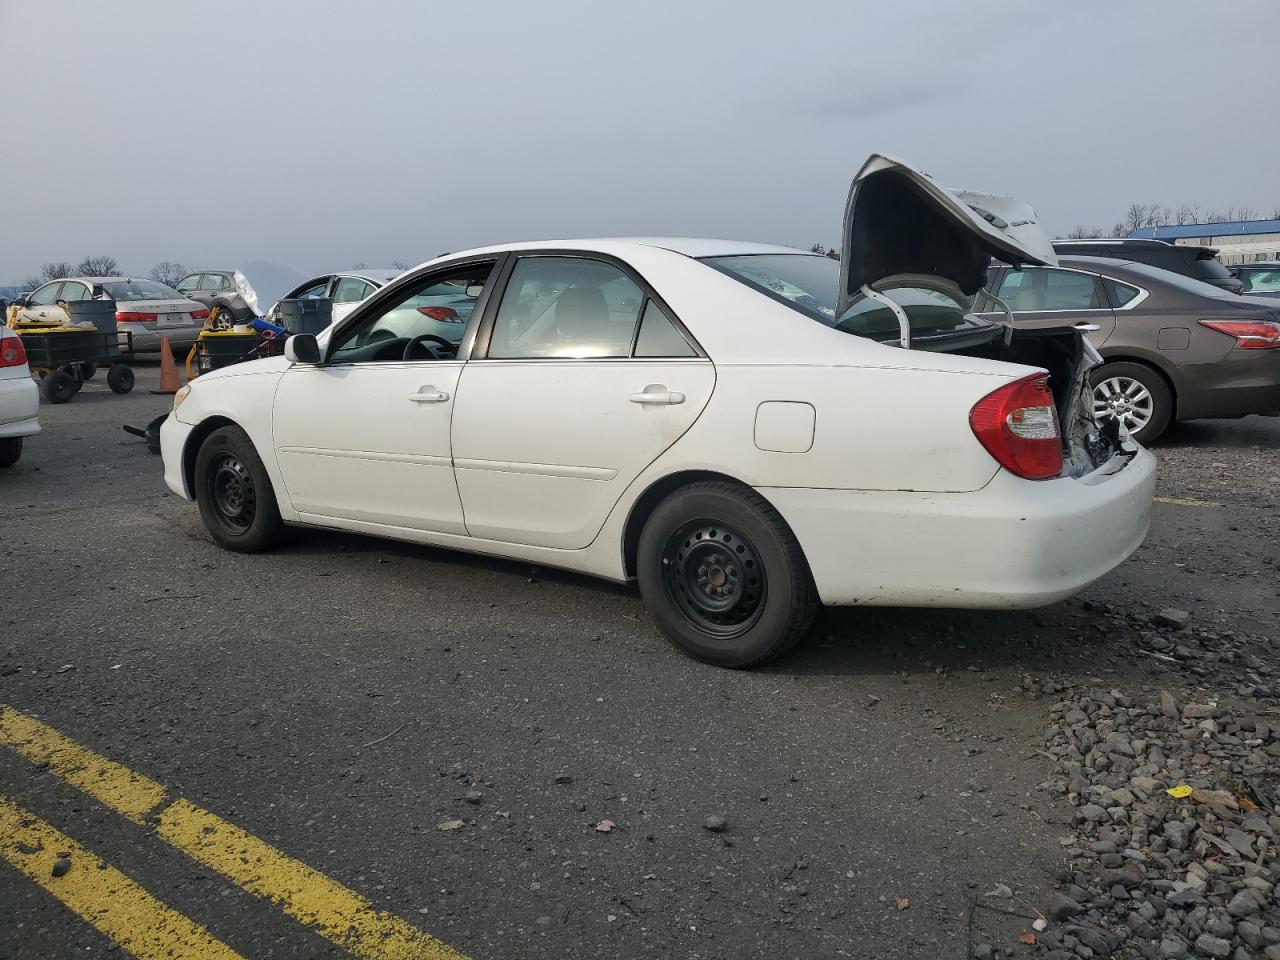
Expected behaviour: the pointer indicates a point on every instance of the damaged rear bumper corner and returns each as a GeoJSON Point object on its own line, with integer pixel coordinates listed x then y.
{"type": "Point", "coordinates": [1013, 544]}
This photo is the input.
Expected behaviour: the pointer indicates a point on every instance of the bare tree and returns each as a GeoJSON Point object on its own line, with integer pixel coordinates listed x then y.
{"type": "Point", "coordinates": [1135, 217]}
{"type": "Point", "coordinates": [97, 267]}
{"type": "Point", "coordinates": [399, 265]}
{"type": "Point", "coordinates": [1085, 233]}
{"type": "Point", "coordinates": [54, 270]}
{"type": "Point", "coordinates": [168, 272]}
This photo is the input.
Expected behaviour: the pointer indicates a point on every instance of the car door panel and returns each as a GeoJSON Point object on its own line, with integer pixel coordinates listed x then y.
{"type": "Point", "coordinates": [370, 442]}
{"type": "Point", "coordinates": [543, 449]}
{"type": "Point", "coordinates": [1036, 305]}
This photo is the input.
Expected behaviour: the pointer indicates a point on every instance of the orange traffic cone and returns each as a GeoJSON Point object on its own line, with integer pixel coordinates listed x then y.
{"type": "Point", "coordinates": [169, 379]}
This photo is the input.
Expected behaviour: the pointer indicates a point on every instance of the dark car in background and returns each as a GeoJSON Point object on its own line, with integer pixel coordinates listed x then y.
{"type": "Point", "coordinates": [1173, 348]}
{"type": "Point", "coordinates": [1259, 279]}
{"type": "Point", "coordinates": [1199, 263]}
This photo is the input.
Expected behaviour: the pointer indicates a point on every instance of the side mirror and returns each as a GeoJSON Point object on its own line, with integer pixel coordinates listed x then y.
{"type": "Point", "coordinates": [20, 300]}
{"type": "Point", "coordinates": [474, 290]}
{"type": "Point", "coordinates": [302, 348]}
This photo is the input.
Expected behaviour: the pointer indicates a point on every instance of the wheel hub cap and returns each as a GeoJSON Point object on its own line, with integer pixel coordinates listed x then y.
{"type": "Point", "coordinates": [1126, 399]}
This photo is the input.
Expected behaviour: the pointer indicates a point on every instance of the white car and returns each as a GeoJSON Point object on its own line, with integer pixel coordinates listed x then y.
{"type": "Point", "coordinates": [19, 398]}
{"type": "Point", "coordinates": [147, 309]}
{"type": "Point", "coordinates": [747, 430]}
{"type": "Point", "coordinates": [346, 290]}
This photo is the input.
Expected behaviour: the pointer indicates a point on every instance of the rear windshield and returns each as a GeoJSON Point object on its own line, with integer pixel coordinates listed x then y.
{"type": "Point", "coordinates": [1210, 269]}
{"type": "Point", "coordinates": [140, 290]}
{"type": "Point", "coordinates": [808, 284]}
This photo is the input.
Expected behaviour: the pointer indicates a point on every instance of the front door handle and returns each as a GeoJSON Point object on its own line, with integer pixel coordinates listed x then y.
{"type": "Point", "coordinates": [657, 393]}
{"type": "Point", "coordinates": [1086, 327]}
{"type": "Point", "coordinates": [429, 395]}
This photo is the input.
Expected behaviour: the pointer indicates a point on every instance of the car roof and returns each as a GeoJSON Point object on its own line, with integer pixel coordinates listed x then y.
{"type": "Point", "coordinates": [108, 279]}
{"type": "Point", "coordinates": [688, 246]}
{"type": "Point", "coordinates": [379, 275]}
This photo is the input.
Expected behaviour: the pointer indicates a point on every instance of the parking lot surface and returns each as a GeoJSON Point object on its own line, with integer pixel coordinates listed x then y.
{"type": "Point", "coordinates": [356, 747]}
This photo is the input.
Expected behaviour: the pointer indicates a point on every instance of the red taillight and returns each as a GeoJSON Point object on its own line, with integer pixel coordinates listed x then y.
{"type": "Point", "coordinates": [1018, 425]}
{"type": "Point", "coordinates": [199, 314]}
{"type": "Point", "coordinates": [448, 314]}
{"type": "Point", "coordinates": [129, 316]}
{"type": "Point", "coordinates": [1249, 334]}
{"type": "Point", "coordinates": [12, 352]}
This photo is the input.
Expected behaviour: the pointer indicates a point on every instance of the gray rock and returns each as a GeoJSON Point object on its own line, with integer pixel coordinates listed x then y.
{"type": "Point", "coordinates": [1093, 813]}
{"type": "Point", "coordinates": [1177, 833]}
{"type": "Point", "coordinates": [1172, 948]}
{"type": "Point", "coordinates": [1250, 933]}
{"type": "Point", "coordinates": [1169, 706]}
{"type": "Point", "coordinates": [1172, 617]}
{"type": "Point", "coordinates": [563, 778]}
{"type": "Point", "coordinates": [1207, 945]}
{"type": "Point", "coordinates": [1062, 908]}
{"type": "Point", "coordinates": [1244, 904]}
{"type": "Point", "coordinates": [715, 823]}
{"type": "Point", "coordinates": [60, 867]}
{"type": "Point", "coordinates": [473, 796]}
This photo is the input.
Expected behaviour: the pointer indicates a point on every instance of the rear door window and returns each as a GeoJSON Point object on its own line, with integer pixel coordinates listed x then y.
{"type": "Point", "coordinates": [1037, 289]}
{"type": "Point", "coordinates": [565, 308]}
{"type": "Point", "coordinates": [351, 290]}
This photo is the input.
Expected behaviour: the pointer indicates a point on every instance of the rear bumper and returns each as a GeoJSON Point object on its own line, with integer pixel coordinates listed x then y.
{"type": "Point", "coordinates": [146, 340]}
{"type": "Point", "coordinates": [1241, 383]}
{"type": "Point", "coordinates": [1013, 544]}
{"type": "Point", "coordinates": [173, 441]}
{"type": "Point", "coordinates": [19, 407]}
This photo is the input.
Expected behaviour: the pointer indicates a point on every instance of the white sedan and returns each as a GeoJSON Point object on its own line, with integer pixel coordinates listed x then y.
{"type": "Point", "coordinates": [19, 398]}
{"type": "Point", "coordinates": [748, 431]}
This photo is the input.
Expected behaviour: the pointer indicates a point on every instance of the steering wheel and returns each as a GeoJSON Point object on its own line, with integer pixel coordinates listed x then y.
{"type": "Point", "coordinates": [426, 340]}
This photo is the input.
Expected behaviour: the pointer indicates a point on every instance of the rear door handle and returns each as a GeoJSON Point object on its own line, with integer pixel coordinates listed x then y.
{"type": "Point", "coordinates": [427, 395]}
{"type": "Point", "coordinates": [656, 393]}
{"type": "Point", "coordinates": [1085, 327]}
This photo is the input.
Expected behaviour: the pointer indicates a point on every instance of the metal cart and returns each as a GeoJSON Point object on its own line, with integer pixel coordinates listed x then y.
{"type": "Point", "coordinates": [63, 357]}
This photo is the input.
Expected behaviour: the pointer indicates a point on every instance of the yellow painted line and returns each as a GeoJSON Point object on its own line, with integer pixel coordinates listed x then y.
{"type": "Point", "coordinates": [337, 913]}
{"type": "Point", "coordinates": [101, 895]}
{"type": "Point", "coordinates": [1174, 501]}
{"type": "Point", "coordinates": [129, 794]}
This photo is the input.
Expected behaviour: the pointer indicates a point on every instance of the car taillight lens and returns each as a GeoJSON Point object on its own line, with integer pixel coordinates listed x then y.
{"type": "Point", "coordinates": [1018, 425]}
{"type": "Point", "coordinates": [130, 316]}
{"type": "Point", "coordinates": [447, 314]}
{"type": "Point", "coordinates": [199, 314]}
{"type": "Point", "coordinates": [1249, 334]}
{"type": "Point", "coordinates": [12, 352]}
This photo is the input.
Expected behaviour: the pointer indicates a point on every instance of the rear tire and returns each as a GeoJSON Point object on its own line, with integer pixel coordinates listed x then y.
{"type": "Point", "coordinates": [120, 378]}
{"type": "Point", "coordinates": [1137, 394]}
{"type": "Point", "coordinates": [10, 451]}
{"type": "Point", "coordinates": [87, 370]}
{"type": "Point", "coordinates": [723, 576]}
{"type": "Point", "coordinates": [59, 386]}
{"type": "Point", "coordinates": [237, 502]}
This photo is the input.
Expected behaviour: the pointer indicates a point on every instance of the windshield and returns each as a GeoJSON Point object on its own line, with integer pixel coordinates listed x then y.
{"type": "Point", "coordinates": [1211, 268]}
{"type": "Point", "coordinates": [808, 283]}
{"type": "Point", "coordinates": [140, 290]}
{"type": "Point", "coordinates": [1178, 280]}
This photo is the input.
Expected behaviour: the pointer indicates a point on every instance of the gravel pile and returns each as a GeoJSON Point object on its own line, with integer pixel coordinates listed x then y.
{"type": "Point", "coordinates": [1157, 874]}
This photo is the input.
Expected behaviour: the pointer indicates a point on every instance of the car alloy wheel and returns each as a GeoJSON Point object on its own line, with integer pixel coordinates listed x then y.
{"type": "Point", "coordinates": [714, 578]}
{"type": "Point", "coordinates": [232, 492]}
{"type": "Point", "coordinates": [1126, 399]}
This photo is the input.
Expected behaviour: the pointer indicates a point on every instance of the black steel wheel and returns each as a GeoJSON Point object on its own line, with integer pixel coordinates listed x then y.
{"type": "Point", "coordinates": [120, 378]}
{"type": "Point", "coordinates": [714, 578]}
{"type": "Point", "coordinates": [234, 492]}
{"type": "Point", "coordinates": [723, 576]}
{"type": "Point", "coordinates": [59, 386]}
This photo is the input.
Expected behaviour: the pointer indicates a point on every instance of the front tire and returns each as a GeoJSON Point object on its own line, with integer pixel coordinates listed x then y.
{"type": "Point", "coordinates": [723, 576]}
{"type": "Point", "coordinates": [1137, 395]}
{"type": "Point", "coordinates": [10, 451]}
{"type": "Point", "coordinates": [233, 490]}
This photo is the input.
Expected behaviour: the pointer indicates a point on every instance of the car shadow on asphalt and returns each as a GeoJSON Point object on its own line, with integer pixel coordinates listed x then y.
{"type": "Point", "coordinates": [1254, 431]}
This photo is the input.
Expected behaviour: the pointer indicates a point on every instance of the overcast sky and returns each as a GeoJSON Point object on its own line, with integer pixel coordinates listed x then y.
{"type": "Point", "coordinates": [327, 133]}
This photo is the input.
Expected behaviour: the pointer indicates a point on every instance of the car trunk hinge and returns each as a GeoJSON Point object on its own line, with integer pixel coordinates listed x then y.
{"type": "Point", "coordinates": [904, 322]}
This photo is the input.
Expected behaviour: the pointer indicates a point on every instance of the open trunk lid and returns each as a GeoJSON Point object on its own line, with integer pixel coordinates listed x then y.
{"type": "Point", "coordinates": [898, 221]}
{"type": "Point", "coordinates": [903, 232]}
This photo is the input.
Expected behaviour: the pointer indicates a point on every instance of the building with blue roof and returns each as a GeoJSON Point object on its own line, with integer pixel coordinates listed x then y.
{"type": "Point", "coordinates": [1237, 241]}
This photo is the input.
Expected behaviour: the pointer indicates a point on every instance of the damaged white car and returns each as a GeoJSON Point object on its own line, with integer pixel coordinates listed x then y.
{"type": "Point", "coordinates": [748, 431]}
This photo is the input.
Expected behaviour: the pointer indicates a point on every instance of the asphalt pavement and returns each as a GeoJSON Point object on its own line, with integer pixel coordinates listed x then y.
{"type": "Point", "coordinates": [510, 762]}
